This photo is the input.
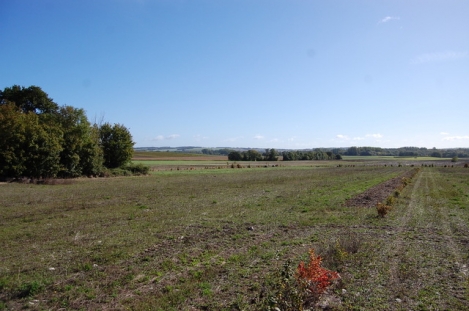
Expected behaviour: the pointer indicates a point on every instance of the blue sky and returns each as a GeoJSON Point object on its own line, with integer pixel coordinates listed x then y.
{"type": "Point", "coordinates": [250, 73]}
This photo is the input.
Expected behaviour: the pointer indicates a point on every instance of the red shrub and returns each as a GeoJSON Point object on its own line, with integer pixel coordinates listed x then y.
{"type": "Point", "coordinates": [315, 278]}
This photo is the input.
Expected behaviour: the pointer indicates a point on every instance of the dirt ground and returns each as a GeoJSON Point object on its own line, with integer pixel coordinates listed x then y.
{"type": "Point", "coordinates": [379, 193]}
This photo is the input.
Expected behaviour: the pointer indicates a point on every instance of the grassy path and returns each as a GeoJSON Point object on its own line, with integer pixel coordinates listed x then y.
{"type": "Point", "coordinates": [417, 260]}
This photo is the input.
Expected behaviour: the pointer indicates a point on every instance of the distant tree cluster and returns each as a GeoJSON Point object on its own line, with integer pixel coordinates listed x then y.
{"type": "Point", "coordinates": [406, 152]}
{"type": "Point", "coordinates": [298, 155]}
{"type": "Point", "coordinates": [40, 139]}
{"type": "Point", "coordinates": [253, 155]}
{"type": "Point", "coordinates": [222, 151]}
{"type": "Point", "coordinates": [364, 151]}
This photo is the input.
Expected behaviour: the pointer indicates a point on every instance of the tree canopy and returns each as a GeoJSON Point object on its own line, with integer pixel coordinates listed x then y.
{"type": "Point", "coordinates": [31, 99]}
{"type": "Point", "coordinates": [40, 139]}
{"type": "Point", "coordinates": [117, 144]}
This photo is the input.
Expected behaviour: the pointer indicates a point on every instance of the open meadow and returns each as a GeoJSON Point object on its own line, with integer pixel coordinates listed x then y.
{"type": "Point", "coordinates": [201, 235]}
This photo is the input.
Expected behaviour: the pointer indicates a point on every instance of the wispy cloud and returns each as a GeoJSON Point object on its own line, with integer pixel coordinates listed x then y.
{"type": "Point", "coordinates": [258, 137]}
{"type": "Point", "coordinates": [169, 137]}
{"type": "Point", "coordinates": [358, 138]}
{"type": "Point", "coordinates": [453, 138]}
{"type": "Point", "coordinates": [388, 19]}
{"type": "Point", "coordinates": [444, 133]}
{"type": "Point", "coordinates": [438, 57]}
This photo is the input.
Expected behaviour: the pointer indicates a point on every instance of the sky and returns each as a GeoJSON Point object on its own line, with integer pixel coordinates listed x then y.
{"type": "Point", "coordinates": [290, 74]}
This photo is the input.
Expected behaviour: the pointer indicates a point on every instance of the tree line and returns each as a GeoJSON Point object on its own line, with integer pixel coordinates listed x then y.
{"type": "Point", "coordinates": [40, 139]}
{"type": "Point", "coordinates": [253, 155]}
{"type": "Point", "coordinates": [298, 155]}
{"type": "Point", "coordinates": [406, 152]}
{"type": "Point", "coordinates": [273, 155]}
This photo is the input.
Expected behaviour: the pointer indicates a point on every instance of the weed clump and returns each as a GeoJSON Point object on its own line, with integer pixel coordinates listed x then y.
{"type": "Point", "coordinates": [315, 278]}
{"type": "Point", "coordinates": [303, 288]}
{"type": "Point", "coordinates": [382, 209]}
{"type": "Point", "coordinates": [30, 289]}
{"type": "Point", "coordinates": [390, 200]}
{"type": "Point", "coordinates": [335, 254]}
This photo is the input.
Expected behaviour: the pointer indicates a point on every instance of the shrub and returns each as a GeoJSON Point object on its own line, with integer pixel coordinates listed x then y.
{"type": "Point", "coordinates": [30, 289]}
{"type": "Point", "coordinates": [292, 291]}
{"type": "Point", "coordinates": [285, 294]}
{"type": "Point", "coordinates": [137, 169]}
{"type": "Point", "coordinates": [390, 200]}
{"type": "Point", "coordinates": [314, 278]}
{"type": "Point", "coordinates": [382, 209]}
{"type": "Point", "coordinates": [127, 170]}
{"type": "Point", "coordinates": [336, 253]}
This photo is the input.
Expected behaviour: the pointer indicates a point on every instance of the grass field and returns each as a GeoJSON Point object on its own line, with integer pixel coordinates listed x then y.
{"type": "Point", "coordinates": [213, 239]}
{"type": "Point", "coordinates": [393, 158]}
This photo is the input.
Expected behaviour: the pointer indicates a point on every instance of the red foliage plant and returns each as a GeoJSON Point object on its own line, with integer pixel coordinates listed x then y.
{"type": "Point", "coordinates": [315, 278]}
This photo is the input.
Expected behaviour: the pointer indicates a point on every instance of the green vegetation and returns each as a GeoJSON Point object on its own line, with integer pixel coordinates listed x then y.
{"type": "Point", "coordinates": [310, 155]}
{"type": "Point", "coordinates": [217, 239]}
{"type": "Point", "coordinates": [363, 151]}
{"type": "Point", "coordinates": [404, 152]}
{"type": "Point", "coordinates": [40, 140]}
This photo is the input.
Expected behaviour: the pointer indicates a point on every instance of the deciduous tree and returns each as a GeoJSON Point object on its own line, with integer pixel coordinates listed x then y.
{"type": "Point", "coordinates": [116, 142]}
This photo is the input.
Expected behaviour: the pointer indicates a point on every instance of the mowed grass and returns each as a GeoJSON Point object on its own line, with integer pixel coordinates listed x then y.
{"type": "Point", "coordinates": [200, 240]}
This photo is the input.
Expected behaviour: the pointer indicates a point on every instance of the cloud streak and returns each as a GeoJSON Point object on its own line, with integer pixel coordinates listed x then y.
{"type": "Point", "coordinates": [438, 57]}
{"type": "Point", "coordinates": [345, 137]}
{"type": "Point", "coordinates": [453, 138]}
{"type": "Point", "coordinates": [169, 137]}
{"type": "Point", "coordinates": [388, 19]}
{"type": "Point", "coordinates": [374, 135]}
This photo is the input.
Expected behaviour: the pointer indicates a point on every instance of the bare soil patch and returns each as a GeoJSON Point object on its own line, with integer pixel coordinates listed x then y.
{"type": "Point", "coordinates": [378, 193]}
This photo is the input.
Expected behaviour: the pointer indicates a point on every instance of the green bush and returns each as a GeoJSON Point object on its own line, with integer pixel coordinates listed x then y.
{"type": "Point", "coordinates": [127, 170]}
{"type": "Point", "coordinates": [30, 289]}
{"type": "Point", "coordinates": [390, 200]}
{"type": "Point", "coordinates": [137, 169]}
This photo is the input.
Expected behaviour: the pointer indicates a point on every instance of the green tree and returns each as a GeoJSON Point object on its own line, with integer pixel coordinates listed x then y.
{"type": "Point", "coordinates": [252, 155]}
{"type": "Point", "coordinates": [91, 154]}
{"type": "Point", "coordinates": [353, 151]}
{"type": "Point", "coordinates": [234, 156]}
{"type": "Point", "coordinates": [80, 143]}
{"type": "Point", "coordinates": [28, 147]}
{"type": "Point", "coordinates": [271, 155]}
{"type": "Point", "coordinates": [12, 136]}
{"type": "Point", "coordinates": [31, 99]}
{"type": "Point", "coordinates": [42, 147]}
{"type": "Point", "coordinates": [116, 142]}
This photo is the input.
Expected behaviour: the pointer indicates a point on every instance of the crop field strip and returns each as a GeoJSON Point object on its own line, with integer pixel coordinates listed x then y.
{"type": "Point", "coordinates": [211, 239]}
